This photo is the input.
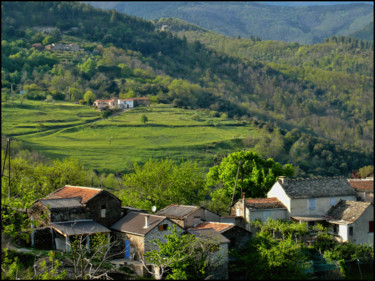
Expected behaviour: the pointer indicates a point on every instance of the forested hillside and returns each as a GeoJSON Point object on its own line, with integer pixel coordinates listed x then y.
{"type": "Point", "coordinates": [308, 115]}
{"type": "Point", "coordinates": [306, 25]}
{"type": "Point", "coordinates": [341, 70]}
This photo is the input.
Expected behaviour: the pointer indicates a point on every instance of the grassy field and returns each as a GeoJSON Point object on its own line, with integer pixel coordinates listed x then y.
{"type": "Point", "coordinates": [114, 144]}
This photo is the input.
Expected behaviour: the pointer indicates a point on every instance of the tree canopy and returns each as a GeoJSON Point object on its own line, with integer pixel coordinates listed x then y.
{"type": "Point", "coordinates": [256, 175]}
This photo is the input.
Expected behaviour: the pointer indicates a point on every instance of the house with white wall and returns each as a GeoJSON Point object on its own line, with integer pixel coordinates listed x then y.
{"type": "Point", "coordinates": [309, 199]}
{"type": "Point", "coordinates": [352, 221]}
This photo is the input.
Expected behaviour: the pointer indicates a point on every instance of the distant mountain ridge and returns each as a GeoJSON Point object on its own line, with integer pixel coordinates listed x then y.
{"type": "Point", "coordinates": [305, 25]}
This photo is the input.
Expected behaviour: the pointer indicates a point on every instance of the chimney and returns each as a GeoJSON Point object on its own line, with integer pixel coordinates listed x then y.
{"type": "Point", "coordinates": [283, 180]}
{"type": "Point", "coordinates": [147, 224]}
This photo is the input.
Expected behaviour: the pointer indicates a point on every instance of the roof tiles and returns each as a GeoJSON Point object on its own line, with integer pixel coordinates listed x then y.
{"type": "Point", "coordinates": [75, 191]}
{"type": "Point", "coordinates": [264, 203]}
{"type": "Point", "coordinates": [218, 226]}
{"type": "Point", "coordinates": [362, 184]}
{"type": "Point", "coordinates": [347, 211]}
{"type": "Point", "coordinates": [317, 187]}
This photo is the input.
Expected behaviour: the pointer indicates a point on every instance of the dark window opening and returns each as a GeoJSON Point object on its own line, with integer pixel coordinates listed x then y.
{"type": "Point", "coordinates": [351, 230]}
{"type": "Point", "coordinates": [335, 228]}
{"type": "Point", "coordinates": [162, 227]}
{"type": "Point", "coordinates": [371, 226]}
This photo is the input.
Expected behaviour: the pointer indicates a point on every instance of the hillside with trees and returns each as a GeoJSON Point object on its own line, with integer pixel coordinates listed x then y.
{"type": "Point", "coordinates": [296, 107]}
{"type": "Point", "coordinates": [305, 25]}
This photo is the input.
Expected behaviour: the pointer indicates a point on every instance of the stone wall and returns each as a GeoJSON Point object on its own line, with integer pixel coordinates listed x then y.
{"type": "Point", "coordinates": [112, 208]}
{"type": "Point", "coordinates": [69, 214]}
{"type": "Point", "coordinates": [238, 237]}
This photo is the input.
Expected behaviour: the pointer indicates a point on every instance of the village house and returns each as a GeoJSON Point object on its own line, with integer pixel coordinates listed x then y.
{"type": "Point", "coordinates": [310, 199]}
{"type": "Point", "coordinates": [352, 221]}
{"type": "Point", "coordinates": [135, 232]}
{"type": "Point", "coordinates": [330, 201]}
{"type": "Point", "coordinates": [188, 216]}
{"type": "Point", "coordinates": [218, 257]}
{"type": "Point", "coordinates": [71, 211]}
{"type": "Point", "coordinates": [364, 189]}
{"type": "Point", "coordinates": [237, 236]}
{"type": "Point", "coordinates": [120, 103]}
{"type": "Point", "coordinates": [253, 209]}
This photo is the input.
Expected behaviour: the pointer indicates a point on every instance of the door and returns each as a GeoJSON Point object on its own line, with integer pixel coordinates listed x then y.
{"type": "Point", "coordinates": [127, 249]}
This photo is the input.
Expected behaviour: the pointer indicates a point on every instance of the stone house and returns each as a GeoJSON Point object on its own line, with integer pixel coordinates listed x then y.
{"type": "Point", "coordinates": [188, 216]}
{"type": "Point", "coordinates": [311, 198]}
{"type": "Point", "coordinates": [218, 257]}
{"type": "Point", "coordinates": [135, 231]}
{"type": "Point", "coordinates": [71, 211]}
{"type": "Point", "coordinates": [102, 206]}
{"type": "Point", "coordinates": [352, 221]}
{"type": "Point", "coordinates": [253, 209]}
{"type": "Point", "coordinates": [364, 189]}
{"type": "Point", "coordinates": [237, 236]}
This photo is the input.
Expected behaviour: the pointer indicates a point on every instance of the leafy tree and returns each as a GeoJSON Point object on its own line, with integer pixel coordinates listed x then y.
{"type": "Point", "coordinates": [183, 256]}
{"type": "Point", "coordinates": [270, 259]}
{"type": "Point", "coordinates": [256, 175]}
{"type": "Point", "coordinates": [365, 171]}
{"type": "Point", "coordinates": [162, 183]}
{"type": "Point", "coordinates": [48, 40]}
{"type": "Point", "coordinates": [89, 97]}
{"type": "Point", "coordinates": [144, 119]}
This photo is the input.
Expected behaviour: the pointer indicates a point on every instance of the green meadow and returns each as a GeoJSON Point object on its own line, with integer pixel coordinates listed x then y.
{"type": "Point", "coordinates": [115, 143]}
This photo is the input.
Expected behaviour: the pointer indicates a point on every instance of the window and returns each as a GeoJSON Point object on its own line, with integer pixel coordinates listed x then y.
{"type": "Point", "coordinates": [371, 226]}
{"type": "Point", "coordinates": [312, 203]}
{"type": "Point", "coordinates": [103, 211]}
{"type": "Point", "coordinates": [350, 230]}
{"type": "Point", "coordinates": [163, 227]}
{"type": "Point", "coordinates": [335, 229]}
{"type": "Point", "coordinates": [332, 201]}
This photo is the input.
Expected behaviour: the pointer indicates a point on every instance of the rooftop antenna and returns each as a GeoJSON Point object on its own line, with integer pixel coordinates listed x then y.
{"type": "Point", "coordinates": [235, 186]}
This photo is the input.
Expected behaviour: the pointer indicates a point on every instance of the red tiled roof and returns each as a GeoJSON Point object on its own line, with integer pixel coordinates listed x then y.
{"type": "Point", "coordinates": [74, 191]}
{"type": "Point", "coordinates": [264, 203]}
{"type": "Point", "coordinates": [362, 184]}
{"type": "Point", "coordinates": [218, 226]}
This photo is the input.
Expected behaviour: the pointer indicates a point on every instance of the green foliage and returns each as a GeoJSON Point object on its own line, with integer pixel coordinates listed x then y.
{"type": "Point", "coordinates": [184, 255]}
{"type": "Point", "coordinates": [89, 97]}
{"type": "Point", "coordinates": [161, 183]}
{"type": "Point", "coordinates": [256, 175]}
{"type": "Point", "coordinates": [48, 268]}
{"type": "Point", "coordinates": [270, 259]}
{"type": "Point", "coordinates": [144, 119]}
{"type": "Point", "coordinates": [366, 171]}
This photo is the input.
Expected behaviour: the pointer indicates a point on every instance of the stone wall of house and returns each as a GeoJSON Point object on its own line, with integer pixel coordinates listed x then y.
{"type": "Point", "coordinates": [112, 207]}
{"type": "Point", "coordinates": [40, 214]}
{"type": "Point", "coordinates": [237, 236]}
{"type": "Point", "coordinates": [210, 216]}
{"type": "Point", "coordinates": [69, 214]}
{"type": "Point", "coordinates": [189, 220]}
{"type": "Point", "coordinates": [155, 233]}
